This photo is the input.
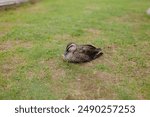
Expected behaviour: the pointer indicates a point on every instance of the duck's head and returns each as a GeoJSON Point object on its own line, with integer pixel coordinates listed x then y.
{"type": "Point", "coordinates": [71, 47]}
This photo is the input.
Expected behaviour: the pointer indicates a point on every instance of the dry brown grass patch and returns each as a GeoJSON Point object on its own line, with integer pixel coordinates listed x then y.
{"type": "Point", "coordinates": [92, 33]}
{"type": "Point", "coordinates": [92, 7]}
{"type": "Point", "coordinates": [9, 45]}
{"type": "Point", "coordinates": [63, 37]}
{"type": "Point", "coordinates": [56, 71]}
{"type": "Point", "coordinates": [10, 65]}
{"type": "Point", "coordinates": [129, 19]}
{"type": "Point", "coordinates": [94, 86]}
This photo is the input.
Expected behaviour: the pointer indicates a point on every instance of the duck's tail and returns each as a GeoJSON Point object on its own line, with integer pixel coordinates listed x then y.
{"type": "Point", "coordinates": [99, 53]}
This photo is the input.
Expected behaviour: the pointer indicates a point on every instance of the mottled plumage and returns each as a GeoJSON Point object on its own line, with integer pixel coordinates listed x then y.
{"type": "Point", "coordinates": [81, 53]}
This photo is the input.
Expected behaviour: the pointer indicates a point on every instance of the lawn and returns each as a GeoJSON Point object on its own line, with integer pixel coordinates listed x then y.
{"type": "Point", "coordinates": [33, 38]}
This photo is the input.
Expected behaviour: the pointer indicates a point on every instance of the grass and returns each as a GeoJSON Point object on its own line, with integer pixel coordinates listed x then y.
{"type": "Point", "coordinates": [33, 38]}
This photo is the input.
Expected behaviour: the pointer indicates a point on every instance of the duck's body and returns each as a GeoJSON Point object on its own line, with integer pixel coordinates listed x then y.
{"type": "Point", "coordinates": [81, 53]}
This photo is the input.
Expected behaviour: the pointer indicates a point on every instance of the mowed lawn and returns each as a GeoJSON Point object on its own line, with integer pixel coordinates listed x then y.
{"type": "Point", "coordinates": [33, 38]}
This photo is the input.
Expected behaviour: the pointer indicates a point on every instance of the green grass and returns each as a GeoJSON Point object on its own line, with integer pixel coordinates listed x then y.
{"type": "Point", "coordinates": [33, 38]}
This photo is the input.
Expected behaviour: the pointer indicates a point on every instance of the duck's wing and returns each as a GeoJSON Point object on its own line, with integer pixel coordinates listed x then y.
{"type": "Point", "coordinates": [89, 46]}
{"type": "Point", "coordinates": [90, 50]}
{"type": "Point", "coordinates": [87, 49]}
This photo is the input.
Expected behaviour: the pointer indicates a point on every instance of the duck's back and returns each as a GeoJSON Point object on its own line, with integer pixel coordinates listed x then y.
{"type": "Point", "coordinates": [89, 50]}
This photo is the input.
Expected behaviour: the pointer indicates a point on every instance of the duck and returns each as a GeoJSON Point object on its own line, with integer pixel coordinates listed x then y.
{"type": "Point", "coordinates": [75, 53]}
